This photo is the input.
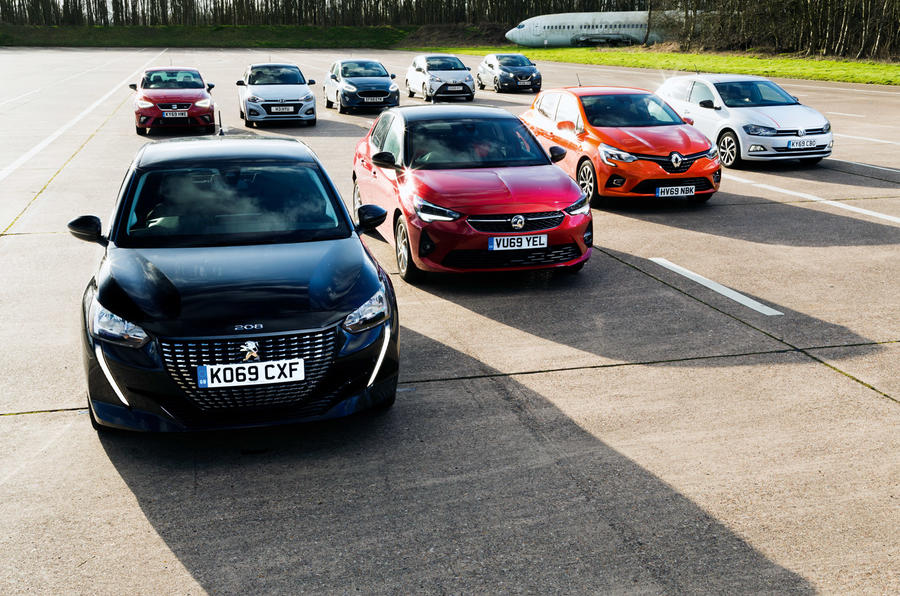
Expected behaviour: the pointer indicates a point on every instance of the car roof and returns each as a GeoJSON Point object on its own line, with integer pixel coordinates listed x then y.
{"type": "Point", "coordinates": [274, 64]}
{"type": "Point", "coordinates": [436, 56]}
{"type": "Point", "coordinates": [223, 148]}
{"type": "Point", "coordinates": [165, 68]}
{"type": "Point", "coordinates": [582, 91]}
{"type": "Point", "coordinates": [722, 78]}
{"type": "Point", "coordinates": [439, 112]}
{"type": "Point", "coordinates": [342, 60]}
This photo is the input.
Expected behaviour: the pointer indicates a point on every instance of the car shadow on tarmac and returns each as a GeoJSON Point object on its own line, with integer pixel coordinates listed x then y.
{"type": "Point", "coordinates": [471, 486]}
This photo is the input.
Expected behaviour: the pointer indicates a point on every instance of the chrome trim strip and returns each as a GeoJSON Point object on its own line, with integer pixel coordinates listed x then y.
{"type": "Point", "coordinates": [105, 368]}
{"type": "Point", "coordinates": [384, 347]}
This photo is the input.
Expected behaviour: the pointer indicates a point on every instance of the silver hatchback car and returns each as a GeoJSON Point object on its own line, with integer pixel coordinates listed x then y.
{"type": "Point", "coordinates": [274, 92]}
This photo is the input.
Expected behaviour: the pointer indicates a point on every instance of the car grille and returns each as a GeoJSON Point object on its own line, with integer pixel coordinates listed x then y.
{"type": "Point", "coordinates": [501, 223]}
{"type": "Point", "coordinates": [174, 121]}
{"type": "Point", "coordinates": [648, 187]}
{"type": "Point", "coordinates": [173, 106]}
{"type": "Point", "coordinates": [374, 93]}
{"type": "Point", "coordinates": [800, 149]}
{"type": "Point", "coordinates": [526, 77]}
{"type": "Point", "coordinates": [665, 161]}
{"type": "Point", "coordinates": [499, 259]}
{"type": "Point", "coordinates": [295, 107]}
{"type": "Point", "coordinates": [317, 348]}
{"type": "Point", "coordinates": [792, 132]}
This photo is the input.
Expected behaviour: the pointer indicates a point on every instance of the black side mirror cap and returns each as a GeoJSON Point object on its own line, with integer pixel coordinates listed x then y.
{"type": "Point", "coordinates": [707, 103]}
{"type": "Point", "coordinates": [311, 82]}
{"type": "Point", "coordinates": [385, 159]}
{"type": "Point", "coordinates": [241, 83]}
{"type": "Point", "coordinates": [369, 217]}
{"type": "Point", "coordinates": [209, 86]}
{"type": "Point", "coordinates": [469, 69]}
{"type": "Point", "coordinates": [557, 153]}
{"type": "Point", "coordinates": [420, 69]}
{"type": "Point", "coordinates": [88, 228]}
{"type": "Point", "coordinates": [133, 86]}
{"type": "Point", "coordinates": [332, 76]}
{"type": "Point", "coordinates": [393, 76]}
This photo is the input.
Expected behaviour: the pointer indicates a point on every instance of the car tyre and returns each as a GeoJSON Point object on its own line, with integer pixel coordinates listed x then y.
{"type": "Point", "coordinates": [497, 88]}
{"type": "Point", "coordinates": [574, 269]}
{"type": "Point", "coordinates": [470, 97]}
{"type": "Point", "coordinates": [340, 106]}
{"type": "Point", "coordinates": [425, 95]}
{"type": "Point", "coordinates": [355, 202]}
{"type": "Point", "coordinates": [242, 114]}
{"type": "Point", "coordinates": [729, 150]}
{"type": "Point", "coordinates": [311, 122]}
{"type": "Point", "coordinates": [141, 131]}
{"type": "Point", "coordinates": [405, 264]}
{"type": "Point", "coordinates": [210, 130]}
{"type": "Point", "coordinates": [478, 82]}
{"type": "Point", "coordinates": [701, 198]}
{"type": "Point", "coordinates": [586, 178]}
{"type": "Point", "coordinates": [328, 102]}
{"type": "Point", "coordinates": [409, 91]}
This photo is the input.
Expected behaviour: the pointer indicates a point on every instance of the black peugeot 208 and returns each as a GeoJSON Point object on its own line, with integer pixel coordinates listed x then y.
{"type": "Point", "coordinates": [234, 291]}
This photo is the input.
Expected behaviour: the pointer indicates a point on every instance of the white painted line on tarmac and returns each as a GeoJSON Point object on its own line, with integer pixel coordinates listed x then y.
{"type": "Point", "coordinates": [3, 103]}
{"type": "Point", "coordinates": [43, 144]}
{"type": "Point", "coordinates": [870, 139]}
{"type": "Point", "coordinates": [717, 287]}
{"type": "Point", "coordinates": [868, 165]}
{"type": "Point", "coordinates": [843, 114]}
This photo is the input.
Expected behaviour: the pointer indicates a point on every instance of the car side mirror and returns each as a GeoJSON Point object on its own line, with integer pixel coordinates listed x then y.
{"type": "Point", "coordinates": [707, 103]}
{"type": "Point", "coordinates": [565, 126]}
{"type": "Point", "coordinates": [240, 83]}
{"type": "Point", "coordinates": [689, 121]}
{"type": "Point", "coordinates": [311, 82]}
{"type": "Point", "coordinates": [393, 76]}
{"type": "Point", "coordinates": [369, 217]}
{"type": "Point", "coordinates": [420, 69]}
{"type": "Point", "coordinates": [332, 76]}
{"type": "Point", "coordinates": [385, 159]}
{"type": "Point", "coordinates": [557, 153]}
{"type": "Point", "coordinates": [133, 86]}
{"type": "Point", "coordinates": [209, 86]}
{"type": "Point", "coordinates": [795, 98]}
{"type": "Point", "coordinates": [88, 228]}
{"type": "Point", "coordinates": [469, 69]}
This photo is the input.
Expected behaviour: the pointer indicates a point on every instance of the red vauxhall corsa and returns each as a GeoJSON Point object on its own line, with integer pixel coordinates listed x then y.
{"type": "Point", "coordinates": [173, 97]}
{"type": "Point", "coordinates": [624, 142]}
{"type": "Point", "coordinates": [470, 189]}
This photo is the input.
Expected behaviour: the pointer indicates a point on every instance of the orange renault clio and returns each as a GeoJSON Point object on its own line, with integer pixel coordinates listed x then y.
{"type": "Point", "coordinates": [624, 142]}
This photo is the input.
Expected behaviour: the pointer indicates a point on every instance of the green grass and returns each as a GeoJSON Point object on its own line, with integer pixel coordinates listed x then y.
{"type": "Point", "coordinates": [212, 36]}
{"type": "Point", "coordinates": [883, 73]}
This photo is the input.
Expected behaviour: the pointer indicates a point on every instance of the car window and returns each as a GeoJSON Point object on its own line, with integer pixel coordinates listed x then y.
{"type": "Point", "coordinates": [439, 63]}
{"type": "Point", "coordinates": [548, 105]}
{"type": "Point", "coordinates": [363, 68]}
{"type": "Point", "coordinates": [700, 92]}
{"type": "Point", "coordinates": [678, 89]}
{"type": "Point", "coordinates": [276, 75]}
{"type": "Point", "coordinates": [172, 79]}
{"type": "Point", "coordinates": [472, 143]}
{"type": "Point", "coordinates": [628, 109]}
{"type": "Point", "coordinates": [393, 141]}
{"type": "Point", "coordinates": [380, 130]}
{"type": "Point", "coordinates": [568, 108]}
{"type": "Point", "coordinates": [237, 203]}
{"type": "Point", "coordinates": [513, 60]}
{"type": "Point", "coordinates": [752, 94]}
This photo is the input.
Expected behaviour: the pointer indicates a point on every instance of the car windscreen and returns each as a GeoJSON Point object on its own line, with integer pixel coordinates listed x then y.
{"type": "Point", "coordinates": [628, 109]}
{"type": "Point", "coordinates": [440, 63]}
{"type": "Point", "coordinates": [753, 94]}
{"type": "Point", "coordinates": [229, 204]}
{"type": "Point", "coordinates": [513, 60]}
{"type": "Point", "coordinates": [471, 143]}
{"type": "Point", "coordinates": [275, 75]}
{"type": "Point", "coordinates": [172, 79]}
{"type": "Point", "coordinates": [363, 69]}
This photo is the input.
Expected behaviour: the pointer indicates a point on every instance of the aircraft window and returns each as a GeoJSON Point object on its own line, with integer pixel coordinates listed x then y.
{"type": "Point", "coordinates": [520, 26]}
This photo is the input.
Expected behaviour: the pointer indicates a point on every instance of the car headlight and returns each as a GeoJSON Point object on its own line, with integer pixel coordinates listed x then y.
{"type": "Point", "coordinates": [348, 87]}
{"type": "Point", "coordinates": [827, 127]}
{"type": "Point", "coordinates": [394, 87]}
{"type": "Point", "coordinates": [307, 97]}
{"type": "Point", "coordinates": [759, 131]}
{"type": "Point", "coordinates": [579, 207]}
{"type": "Point", "coordinates": [429, 212]}
{"type": "Point", "coordinates": [143, 103]}
{"type": "Point", "coordinates": [610, 154]}
{"type": "Point", "coordinates": [504, 73]}
{"type": "Point", "coordinates": [434, 79]}
{"type": "Point", "coordinates": [713, 152]}
{"type": "Point", "coordinates": [373, 312]}
{"type": "Point", "coordinates": [102, 324]}
{"type": "Point", "coordinates": [255, 99]}
{"type": "Point", "coordinates": [203, 103]}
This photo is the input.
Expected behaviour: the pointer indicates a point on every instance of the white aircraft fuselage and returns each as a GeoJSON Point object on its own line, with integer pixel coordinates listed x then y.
{"type": "Point", "coordinates": [582, 29]}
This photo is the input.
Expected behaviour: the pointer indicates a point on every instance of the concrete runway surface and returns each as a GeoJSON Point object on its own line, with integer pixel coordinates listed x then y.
{"type": "Point", "coordinates": [624, 430]}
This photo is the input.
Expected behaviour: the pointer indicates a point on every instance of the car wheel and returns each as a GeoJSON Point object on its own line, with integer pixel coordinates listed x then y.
{"type": "Point", "coordinates": [328, 102]}
{"type": "Point", "coordinates": [729, 150]}
{"type": "Point", "coordinates": [141, 131]}
{"type": "Point", "coordinates": [470, 97]}
{"type": "Point", "coordinates": [425, 95]}
{"type": "Point", "coordinates": [409, 91]}
{"type": "Point", "coordinates": [811, 161]}
{"type": "Point", "coordinates": [573, 269]}
{"type": "Point", "coordinates": [701, 198]}
{"type": "Point", "coordinates": [311, 122]}
{"type": "Point", "coordinates": [355, 202]}
{"type": "Point", "coordinates": [242, 114]}
{"type": "Point", "coordinates": [587, 179]}
{"type": "Point", "coordinates": [497, 85]}
{"type": "Point", "coordinates": [385, 404]}
{"type": "Point", "coordinates": [405, 264]}
{"type": "Point", "coordinates": [478, 82]}
{"type": "Point", "coordinates": [340, 105]}
{"type": "Point", "coordinates": [248, 123]}
{"type": "Point", "coordinates": [535, 89]}
{"type": "Point", "coordinates": [210, 130]}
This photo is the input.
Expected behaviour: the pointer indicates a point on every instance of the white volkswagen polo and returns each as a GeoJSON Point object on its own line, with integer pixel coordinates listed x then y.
{"type": "Point", "coordinates": [749, 118]}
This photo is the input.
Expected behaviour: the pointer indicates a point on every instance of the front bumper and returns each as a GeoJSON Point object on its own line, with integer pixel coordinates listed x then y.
{"type": "Point", "coordinates": [775, 148]}
{"type": "Point", "coordinates": [141, 389]}
{"type": "Point", "coordinates": [447, 90]}
{"type": "Point", "coordinates": [359, 99]}
{"type": "Point", "coordinates": [456, 246]}
{"type": "Point", "coordinates": [271, 111]}
{"type": "Point", "coordinates": [154, 118]}
{"type": "Point", "coordinates": [641, 178]}
{"type": "Point", "coordinates": [513, 83]}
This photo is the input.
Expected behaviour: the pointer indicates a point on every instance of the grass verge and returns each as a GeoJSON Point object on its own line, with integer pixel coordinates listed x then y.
{"type": "Point", "coordinates": [850, 71]}
{"type": "Point", "coordinates": [211, 36]}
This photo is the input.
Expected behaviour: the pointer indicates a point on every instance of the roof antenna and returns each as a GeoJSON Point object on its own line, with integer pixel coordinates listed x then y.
{"type": "Point", "coordinates": [221, 128]}
{"type": "Point", "coordinates": [578, 78]}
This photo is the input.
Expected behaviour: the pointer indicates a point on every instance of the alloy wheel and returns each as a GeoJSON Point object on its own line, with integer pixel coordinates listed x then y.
{"type": "Point", "coordinates": [727, 150]}
{"type": "Point", "coordinates": [356, 202]}
{"type": "Point", "coordinates": [402, 244]}
{"type": "Point", "coordinates": [586, 179]}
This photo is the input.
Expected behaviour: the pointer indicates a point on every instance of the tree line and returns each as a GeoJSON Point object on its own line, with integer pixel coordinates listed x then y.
{"type": "Point", "coordinates": [853, 28]}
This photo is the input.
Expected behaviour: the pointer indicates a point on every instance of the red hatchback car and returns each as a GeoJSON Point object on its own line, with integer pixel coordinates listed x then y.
{"type": "Point", "coordinates": [624, 142]}
{"type": "Point", "coordinates": [173, 97]}
{"type": "Point", "coordinates": [470, 189]}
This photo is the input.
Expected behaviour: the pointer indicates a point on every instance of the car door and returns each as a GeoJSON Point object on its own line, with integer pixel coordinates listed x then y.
{"type": "Point", "coordinates": [367, 172]}
{"type": "Point", "coordinates": [705, 119]}
{"type": "Point", "coordinates": [242, 89]}
{"type": "Point", "coordinates": [544, 123]}
{"type": "Point", "coordinates": [569, 139]}
{"type": "Point", "coordinates": [386, 182]}
{"type": "Point", "coordinates": [413, 76]}
{"type": "Point", "coordinates": [330, 86]}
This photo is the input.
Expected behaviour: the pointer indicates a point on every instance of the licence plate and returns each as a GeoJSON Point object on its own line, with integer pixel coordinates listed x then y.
{"type": "Point", "coordinates": [372, 99]}
{"type": "Point", "coordinates": [454, 88]}
{"type": "Point", "coordinates": [174, 114]}
{"type": "Point", "coordinates": [802, 144]}
{"type": "Point", "coordinates": [675, 191]}
{"type": "Point", "coordinates": [249, 373]}
{"type": "Point", "coordinates": [517, 242]}
{"type": "Point", "coordinates": [282, 109]}
{"type": "Point", "coordinates": [524, 82]}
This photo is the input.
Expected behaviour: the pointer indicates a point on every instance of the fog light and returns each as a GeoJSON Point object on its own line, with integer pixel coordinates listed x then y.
{"type": "Point", "coordinates": [830, 144]}
{"type": "Point", "coordinates": [755, 148]}
{"type": "Point", "coordinates": [253, 112]}
{"type": "Point", "coordinates": [615, 182]}
{"type": "Point", "coordinates": [426, 244]}
{"type": "Point", "coordinates": [717, 176]}
{"type": "Point", "coordinates": [589, 234]}
{"type": "Point", "coordinates": [310, 111]}
{"type": "Point", "coordinates": [144, 119]}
